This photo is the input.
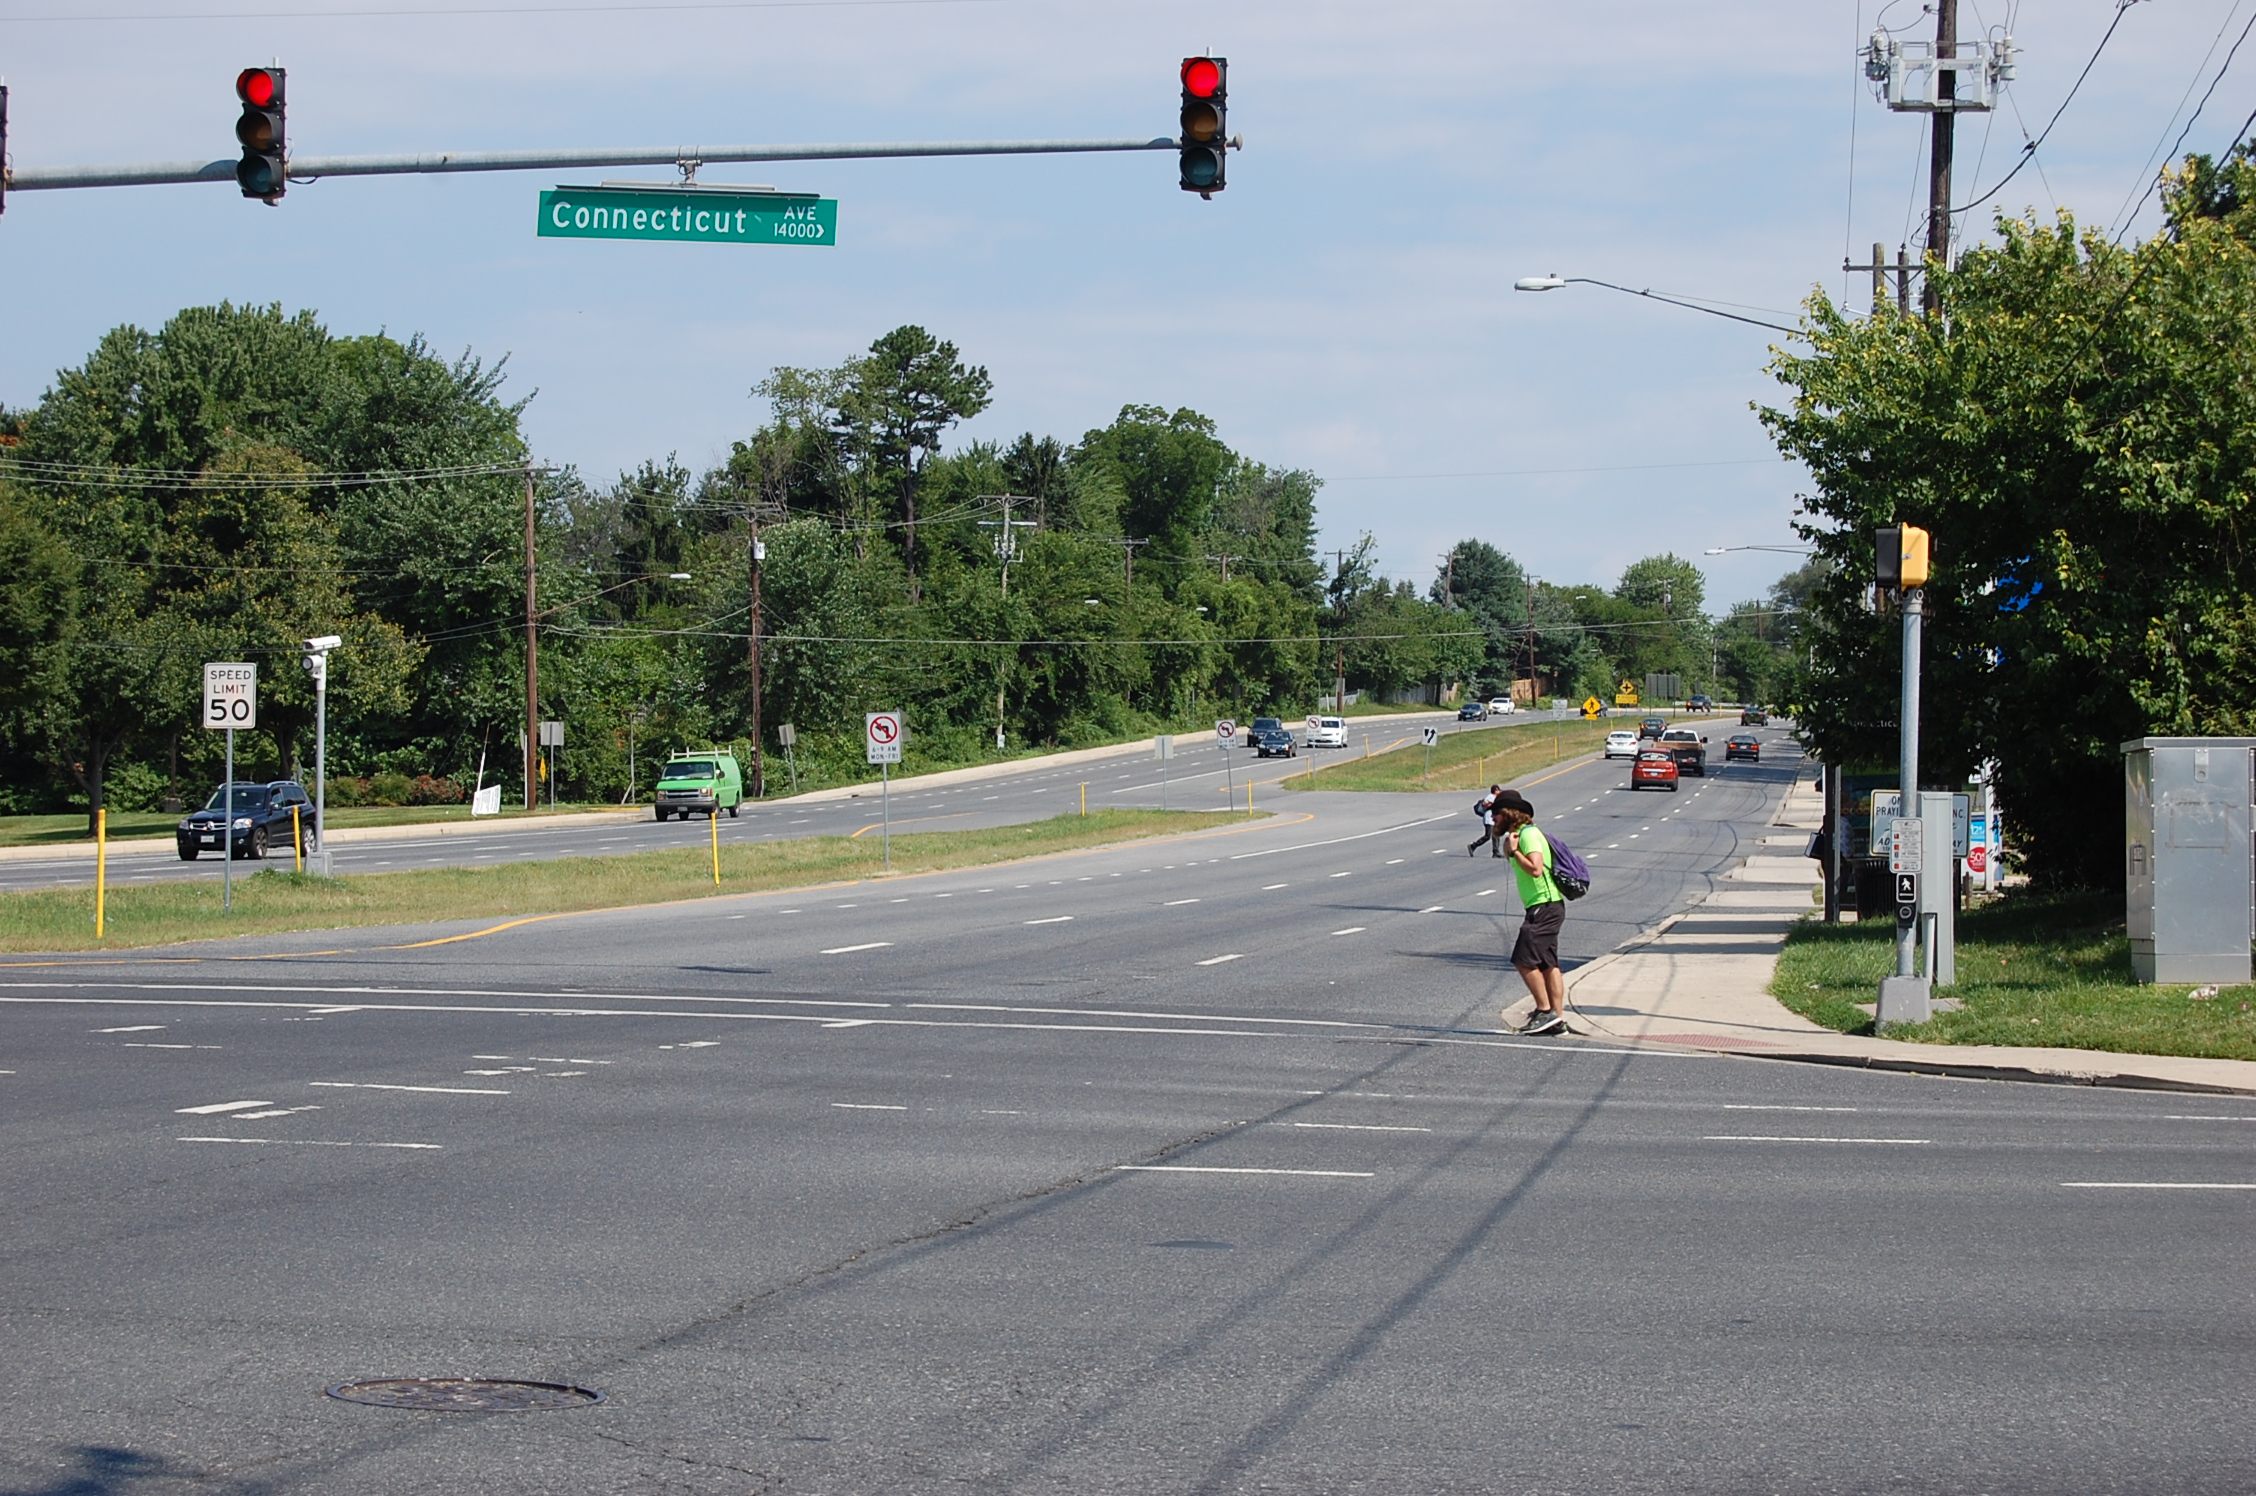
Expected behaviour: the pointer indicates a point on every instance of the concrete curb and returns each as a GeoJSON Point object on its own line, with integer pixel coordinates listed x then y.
{"type": "Point", "coordinates": [2027, 1074]}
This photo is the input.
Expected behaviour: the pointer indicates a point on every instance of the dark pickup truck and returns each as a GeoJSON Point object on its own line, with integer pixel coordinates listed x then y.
{"type": "Point", "coordinates": [1688, 748]}
{"type": "Point", "coordinates": [263, 821]}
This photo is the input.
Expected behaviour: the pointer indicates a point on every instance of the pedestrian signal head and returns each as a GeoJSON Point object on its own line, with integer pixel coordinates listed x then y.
{"type": "Point", "coordinates": [1205, 121]}
{"type": "Point", "coordinates": [263, 172]}
{"type": "Point", "coordinates": [1902, 559]}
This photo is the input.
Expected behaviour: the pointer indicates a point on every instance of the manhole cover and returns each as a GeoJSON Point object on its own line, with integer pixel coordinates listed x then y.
{"type": "Point", "coordinates": [464, 1394]}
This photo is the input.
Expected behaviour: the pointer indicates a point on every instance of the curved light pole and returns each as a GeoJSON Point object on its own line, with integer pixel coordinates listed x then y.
{"type": "Point", "coordinates": [1554, 282]}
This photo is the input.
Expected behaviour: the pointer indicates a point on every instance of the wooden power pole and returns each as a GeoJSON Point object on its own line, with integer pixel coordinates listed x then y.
{"type": "Point", "coordinates": [532, 652]}
{"type": "Point", "coordinates": [1943, 128]}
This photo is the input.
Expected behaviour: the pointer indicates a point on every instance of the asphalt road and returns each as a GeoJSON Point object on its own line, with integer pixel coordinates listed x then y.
{"type": "Point", "coordinates": [1197, 778]}
{"type": "Point", "coordinates": [1196, 1165]}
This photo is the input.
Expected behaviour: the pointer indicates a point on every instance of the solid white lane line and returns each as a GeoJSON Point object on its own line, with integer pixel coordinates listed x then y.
{"type": "Point", "coordinates": [865, 1106]}
{"type": "Point", "coordinates": [1749, 1107]}
{"type": "Point", "coordinates": [363, 1085]}
{"type": "Point", "coordinates": [848, 950]}
{"type": "Point", "coordinates": [309, 1143]}
{"type": "Point", "coordinates": [2204, 1117]}
{"type": "Point", "coordinates": [1196, 1169]}
{"type": "Point", "coordinates": [1171, 903]}
{"type": "Point", "coordinates": [1055, 919]}
{"type": "Point", "coordinates": [220, 1106]}
{"type": "Point", "coordinates": [2132, 1184]}
{"type": "Point", "coordinates": [1218, 960]}
{"type": "Point", "coordinates": [1728, 1137]}
{"type": "Point", "coordinates": [1359, 1127]}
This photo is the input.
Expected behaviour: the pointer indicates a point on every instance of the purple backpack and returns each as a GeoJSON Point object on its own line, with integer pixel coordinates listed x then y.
{"type": "Point", "coordinates": [1570, 872]}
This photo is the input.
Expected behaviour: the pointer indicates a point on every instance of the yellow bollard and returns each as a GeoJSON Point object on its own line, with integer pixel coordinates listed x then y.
{"type": "Point", "coordinates": [1084, 797]}
{"type": "Point", "coordinates": [297, 838]}
{"type": "Point", "coordinates": [101, 868]}
{"type": "Point", "coordinates": [714, 821]}
{"type": "Point", "coordinates": [1249, 797]}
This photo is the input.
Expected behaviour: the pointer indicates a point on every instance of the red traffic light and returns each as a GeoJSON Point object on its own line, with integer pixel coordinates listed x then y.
{"type": "Point", "coordinates": [257, 87]}
{"type": "Point", "coordinates": [1202, 77]}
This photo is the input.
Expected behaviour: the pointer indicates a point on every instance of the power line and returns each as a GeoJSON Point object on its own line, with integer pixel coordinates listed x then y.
{"type": "Point", "coordinates": [2190, 119]}
{"type": "Point", "coordinates": [2029, 150]}
{"type": "Point", "coordinates": [449, 13]}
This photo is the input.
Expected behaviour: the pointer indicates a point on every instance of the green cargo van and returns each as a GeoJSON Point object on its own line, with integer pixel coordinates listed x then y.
{"type": "Point", "coordinates": [700, 783]}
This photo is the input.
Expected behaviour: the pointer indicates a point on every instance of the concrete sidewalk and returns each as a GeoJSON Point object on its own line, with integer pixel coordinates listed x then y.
{"type": "Point", "coordinates": [1700, 981]}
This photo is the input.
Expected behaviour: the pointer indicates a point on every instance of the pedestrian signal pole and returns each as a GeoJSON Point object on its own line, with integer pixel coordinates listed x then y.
{"type": "Point", "coordinates": [1902, 570]}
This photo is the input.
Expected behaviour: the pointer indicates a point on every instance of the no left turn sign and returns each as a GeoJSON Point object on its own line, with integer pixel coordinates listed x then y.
{"type": "Point", "coordinates": [881, 737]}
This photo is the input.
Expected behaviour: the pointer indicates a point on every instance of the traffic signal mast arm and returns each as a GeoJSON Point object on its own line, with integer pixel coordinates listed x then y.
{"type": "Point", "coordinates": [309, 168]}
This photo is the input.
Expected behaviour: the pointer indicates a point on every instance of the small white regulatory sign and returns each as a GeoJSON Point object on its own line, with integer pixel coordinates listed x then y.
{"type": "Point", "coordinates": [881, 737]}
{"type": "Point", "coordinates": [1429, 735]}
{"type": "Point", "coordinates": [231, 696]}
{"type": "Point", "coordinates": [1905, 849]}
{"type": "Point", "coordinates": [1225, 732]}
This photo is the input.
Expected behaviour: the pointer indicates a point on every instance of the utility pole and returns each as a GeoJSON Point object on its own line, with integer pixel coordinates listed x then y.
{"type": "Point", "coordinates": [1944, 129]}
{"type": "Point", "coordinates": [1530, 581]}
{"type": "Point", "coordinates": [1339, 685]}
{"type": "Point", "coordinates": [757, 553]}
{"type": "Point", "coordinates": [1006, 547]}
{"type": "Point", "coordinates": [1128, 547]}
{"type": "Point", "coordinates": [1225, 560]}
{"type": "Point", "coordinates": [532, 652]}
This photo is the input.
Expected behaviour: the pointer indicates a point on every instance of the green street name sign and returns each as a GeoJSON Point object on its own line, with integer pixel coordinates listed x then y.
{"type": "Point", "coordinates": [705, 215]}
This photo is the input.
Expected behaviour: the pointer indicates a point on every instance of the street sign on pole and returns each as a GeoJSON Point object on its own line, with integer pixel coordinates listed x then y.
{"type": "Point", "coordinates": [230, 702]}
{"type": "Point", "coordinates": [1225, 732]}
{"type": "Point", "coordinates": [1592, 706]}
{"type": "Point", "coordinates": [1429, 735]}
{"type": "Point", "coordinates": [1906, 849]}
{"type": "Point", "coordinates": [881, 737]}
{"type": "Point", "coordinates": [230, 697]}
{"type": "Point", "coordinates": [704, 215]}
{"type": "Point", "coordinates": [881, 742]}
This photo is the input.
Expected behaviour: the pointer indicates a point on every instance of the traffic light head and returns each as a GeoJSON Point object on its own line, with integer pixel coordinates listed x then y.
{"type": "Point", "coordinates": [1205, 136]}
{"type": "Point", "coordinates": [1902, 557]}
{"type": "Point", "coordinates": [264, 170]}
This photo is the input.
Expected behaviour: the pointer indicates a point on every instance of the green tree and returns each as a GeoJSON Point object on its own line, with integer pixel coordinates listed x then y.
{"type": "Point", "coordinates": [2078, 430]}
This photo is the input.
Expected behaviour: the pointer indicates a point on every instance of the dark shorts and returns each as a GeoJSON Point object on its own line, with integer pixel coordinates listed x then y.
{"type": "Point", "coordinates": [1538, 944]}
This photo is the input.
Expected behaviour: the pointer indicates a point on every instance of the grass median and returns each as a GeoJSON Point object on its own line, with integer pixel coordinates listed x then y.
{"type": "Point", "coordinates": [272, 902]}
{"type": "Point", "coordinates": [131, 825]}
{"type": "Point", "coordinates": [2036, 970]}
{"type": "Point", "coordinates": [1466, 761]}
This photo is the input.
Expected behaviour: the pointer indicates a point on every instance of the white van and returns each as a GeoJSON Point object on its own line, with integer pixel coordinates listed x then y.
{"type": "Point", "coordinates": [1327, 732]}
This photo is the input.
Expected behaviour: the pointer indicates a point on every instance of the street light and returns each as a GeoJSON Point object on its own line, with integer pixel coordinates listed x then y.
{"type": "Point", "coordinates": [317, 664]}
{"type": "Point", "coordinates": [1554, 282]}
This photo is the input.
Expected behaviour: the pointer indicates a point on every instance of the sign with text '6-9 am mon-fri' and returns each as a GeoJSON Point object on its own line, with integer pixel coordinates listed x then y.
{"type": "Point", "coordinates": [701, 215]}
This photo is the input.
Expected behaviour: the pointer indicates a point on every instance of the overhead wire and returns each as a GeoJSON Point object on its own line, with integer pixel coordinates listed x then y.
{"type": "Point", "coordinates": [2029, 151]}
{"type": "Point", "coordinates": [2155, 179]}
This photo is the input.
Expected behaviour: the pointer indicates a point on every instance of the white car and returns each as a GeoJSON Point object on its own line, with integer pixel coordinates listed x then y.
{"type": "Point", "coordinates": [1327, 732]}
{"type": "Point", "coordinates": [1501, 706]}
{"type": "Point", "coordinates": [1621, 745]}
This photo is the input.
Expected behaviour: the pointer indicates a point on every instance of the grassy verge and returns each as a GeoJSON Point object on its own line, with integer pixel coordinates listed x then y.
{"type": "Point", "coordinates": [271, 902]}
{"type": "Point", "coordinates": [1466, 761]}
{"type": "Point", "coordinates": [43, 831]}
{"type": "Point", "coordinates": [2046, 971]}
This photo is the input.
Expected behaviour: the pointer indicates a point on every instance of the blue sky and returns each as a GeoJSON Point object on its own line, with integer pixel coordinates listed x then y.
{"type": "Point", "coordinates": [1346, 306]}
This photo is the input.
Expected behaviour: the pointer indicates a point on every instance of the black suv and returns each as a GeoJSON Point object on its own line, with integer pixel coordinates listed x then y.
{"type": "Point", "coordinates": [1754, 716]}
{"type": "Point", "coordinates": [262, 820]}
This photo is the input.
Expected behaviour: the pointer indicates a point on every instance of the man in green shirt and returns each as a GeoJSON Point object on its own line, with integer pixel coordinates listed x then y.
{"type": "Point", "coordinates": [1536, 953]}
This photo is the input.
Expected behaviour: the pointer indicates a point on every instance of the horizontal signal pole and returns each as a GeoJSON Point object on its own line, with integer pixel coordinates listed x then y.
{"type": "Point", "coordinates": [688, 158]}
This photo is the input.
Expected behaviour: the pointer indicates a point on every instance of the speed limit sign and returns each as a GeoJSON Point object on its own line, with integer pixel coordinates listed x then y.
{"type": "Point", "coordinates": [230, 696]}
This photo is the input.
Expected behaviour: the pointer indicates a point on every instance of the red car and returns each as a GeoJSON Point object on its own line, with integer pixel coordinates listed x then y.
{"type": "Point", "coordinates": [1653, 768]}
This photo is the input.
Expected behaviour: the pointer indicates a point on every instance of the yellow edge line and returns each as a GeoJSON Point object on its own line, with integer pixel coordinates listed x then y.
{"type": "Point", "coordinates": [530, 919]}
{"type": "Point", "coordinates": [913, 820]}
